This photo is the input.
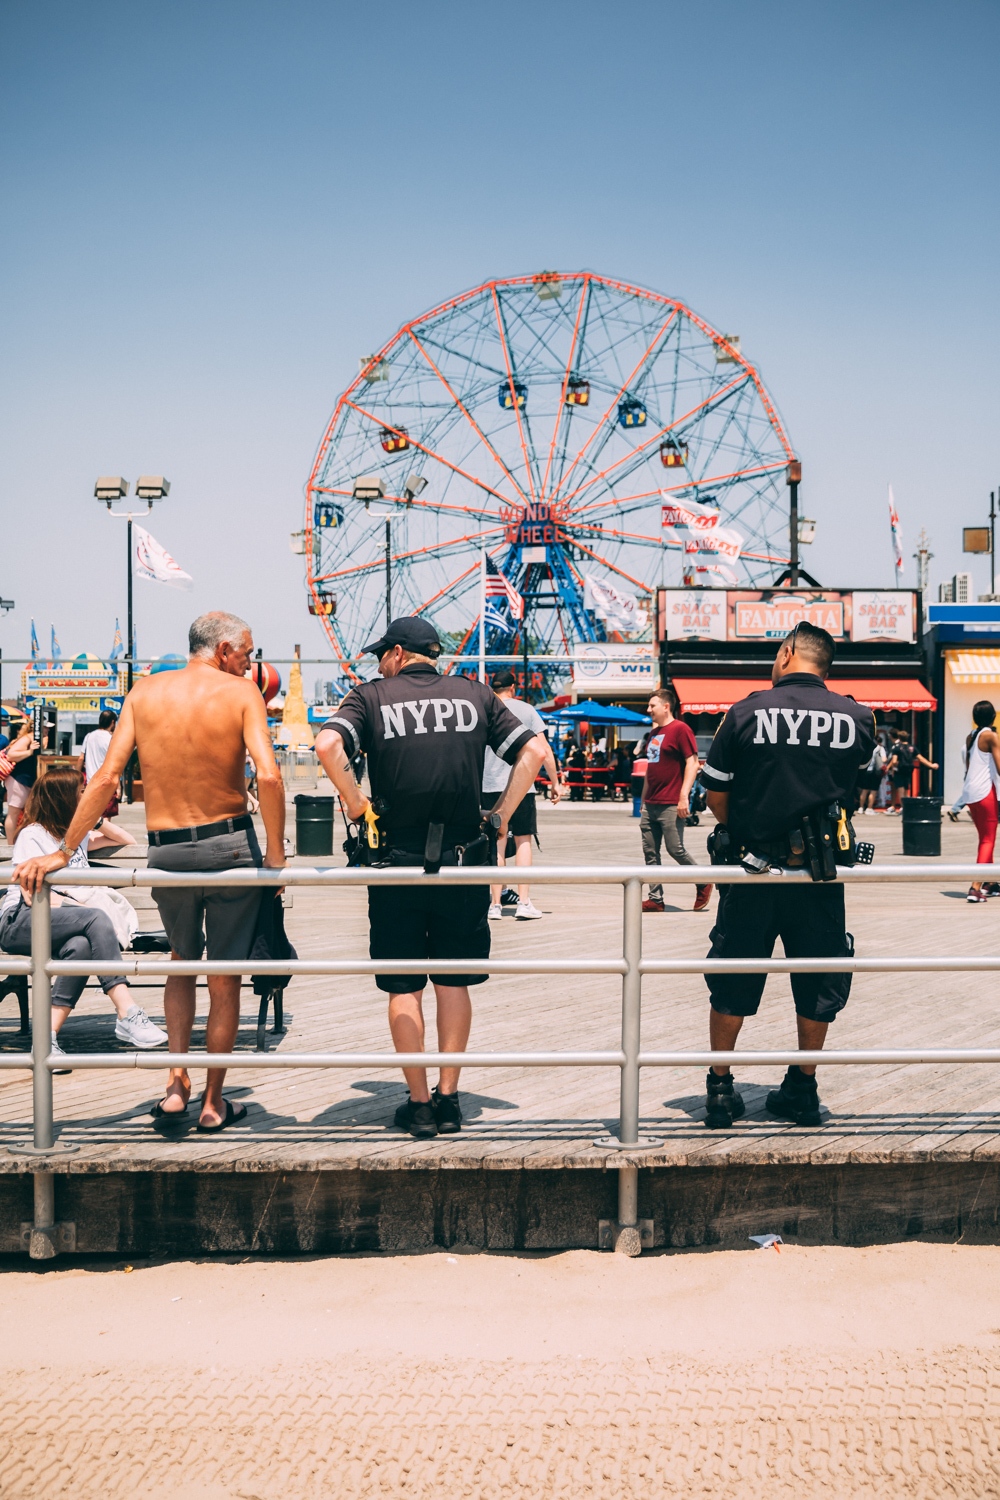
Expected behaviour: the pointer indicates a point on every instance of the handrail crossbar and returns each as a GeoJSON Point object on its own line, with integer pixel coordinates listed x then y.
{"type": "Point", "coordinates": [405, 875]}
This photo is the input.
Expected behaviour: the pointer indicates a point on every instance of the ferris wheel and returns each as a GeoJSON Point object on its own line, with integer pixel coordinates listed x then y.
{"type": "Point", "coordinates": [547, 420]}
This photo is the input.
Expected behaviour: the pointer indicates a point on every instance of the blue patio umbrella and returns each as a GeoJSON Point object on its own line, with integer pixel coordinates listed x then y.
{"type": "Point", "coordinates": [598, 713]}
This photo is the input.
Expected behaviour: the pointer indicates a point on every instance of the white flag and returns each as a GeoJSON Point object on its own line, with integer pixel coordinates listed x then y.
{"type": "Point", "coordinates": [613, 605]}
{"type": "Point", "coordinates": [721, 541]}
{"type": "Point", "coordinates": [156, 565]}
{"type": "Point", "coordinates": [897, 536]}
{"type": "Point", "coordinates": [728, 575]}
{"type": "Point", "coordinates": [689, 515]}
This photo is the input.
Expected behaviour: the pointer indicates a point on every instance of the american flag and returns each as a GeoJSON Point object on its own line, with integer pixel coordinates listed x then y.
{"type": "Point", "coordinates": [499, 586]}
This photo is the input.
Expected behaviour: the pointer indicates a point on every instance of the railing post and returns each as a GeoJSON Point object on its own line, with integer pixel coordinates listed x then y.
{"type": "Point", "coordinates": [41, 1019]}
{"type": "Point", "coordinates": [628, 1116]}
{"type": "Point", "coordinates": [627, 1234]}
{"type": "Point", "coordinates": [43, 1237]}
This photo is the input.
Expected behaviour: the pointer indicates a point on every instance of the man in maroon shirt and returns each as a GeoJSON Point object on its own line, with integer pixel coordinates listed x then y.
{"type": "Point", "coordinates": [672, 755]}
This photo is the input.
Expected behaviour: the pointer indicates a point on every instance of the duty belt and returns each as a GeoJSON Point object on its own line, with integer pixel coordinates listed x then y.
{"type": "Point", "coordinates": [159, 836]}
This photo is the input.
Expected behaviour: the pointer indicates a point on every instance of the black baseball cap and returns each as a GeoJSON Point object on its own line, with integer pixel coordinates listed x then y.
{"type": "Point", "coordinates": [410, 632]}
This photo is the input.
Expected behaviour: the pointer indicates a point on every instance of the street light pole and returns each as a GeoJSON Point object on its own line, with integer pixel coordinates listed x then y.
{"type": "Point", "coordinates": [993, 537]}
{"type": "Point", "coordinates": [5, 605]}
{"type": "Point", "coordinates": [794, 478]}
{"type": "Point", "coordinates": [388, 572]}
{"type": "Point", "coordinates": [108, 489]}
{"type": "Point", "coordinates": [129, 656]}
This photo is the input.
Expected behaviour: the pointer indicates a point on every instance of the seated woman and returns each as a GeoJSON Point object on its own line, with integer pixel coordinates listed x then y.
{"type": "Point", "coordinates": [78, 931]}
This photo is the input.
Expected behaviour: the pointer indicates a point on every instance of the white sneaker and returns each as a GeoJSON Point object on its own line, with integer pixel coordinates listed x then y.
{"type": "Point", "coordinates": [495, 912]}
{"type": "Point", "coordinates": [526, 911]}
{"type": "Point", "coordinates": [57, 1051]}
{"type": "Point", "coordinates": [137, 1029]}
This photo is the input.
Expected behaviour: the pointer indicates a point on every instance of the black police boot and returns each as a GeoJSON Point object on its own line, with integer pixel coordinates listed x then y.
{"type": "Point", "coordinates": [447, 1112]}
{"type": "Point", "coordinates": [417, 1118]}
{"type": "Point", "coordinates": [723, 1104]}
{"type": "Point", "coordinates": [797, 1099]}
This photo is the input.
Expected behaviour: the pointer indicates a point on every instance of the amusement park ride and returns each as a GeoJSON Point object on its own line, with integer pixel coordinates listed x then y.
{"type": "Point", "coordinates": [549, 421]}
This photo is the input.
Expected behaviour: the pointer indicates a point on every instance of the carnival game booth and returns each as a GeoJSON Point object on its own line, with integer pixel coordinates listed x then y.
{"type": "Point", "coordinates": [718, 645]}
{"type": "Point", "coordinates": [962, 646]}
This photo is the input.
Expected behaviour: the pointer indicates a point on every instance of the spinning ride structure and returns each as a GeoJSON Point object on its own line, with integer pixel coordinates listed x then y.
{"type": "Point", "coordinates": [545, 419]}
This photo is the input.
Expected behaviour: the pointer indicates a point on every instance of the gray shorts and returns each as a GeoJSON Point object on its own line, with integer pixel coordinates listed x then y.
{"type": "Point", "coordinates": [226, 916]}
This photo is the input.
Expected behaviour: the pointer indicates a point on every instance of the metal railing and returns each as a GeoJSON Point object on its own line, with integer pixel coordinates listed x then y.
{"type": "Point", "coordinates": [629, 1058]}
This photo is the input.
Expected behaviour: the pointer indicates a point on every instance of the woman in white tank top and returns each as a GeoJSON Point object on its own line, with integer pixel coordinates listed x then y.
{"type": "Point", "coordinates": [979, 791]}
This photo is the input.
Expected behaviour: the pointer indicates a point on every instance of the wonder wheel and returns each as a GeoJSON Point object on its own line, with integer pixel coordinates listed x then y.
{"type": "Point", "coordinates": [547, 420]}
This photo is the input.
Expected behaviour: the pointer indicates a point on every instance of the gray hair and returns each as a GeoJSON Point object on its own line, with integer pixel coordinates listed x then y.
{"type": "Point", "coordinates": [213, 630]}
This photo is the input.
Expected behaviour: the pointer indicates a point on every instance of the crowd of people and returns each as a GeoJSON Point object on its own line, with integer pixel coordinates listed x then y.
{"type": "Point", "coordinates": [453, 766]}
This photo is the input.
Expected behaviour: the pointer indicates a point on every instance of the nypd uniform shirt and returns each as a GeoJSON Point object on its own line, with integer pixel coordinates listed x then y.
{"type": "Point", "coordinates": [781, 753]}
{"type": "Point", "coordinates": [426, 738]}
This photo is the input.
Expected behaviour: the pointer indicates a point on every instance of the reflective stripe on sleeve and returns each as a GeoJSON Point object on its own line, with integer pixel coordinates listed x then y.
{"type": "Point", "coordinates": [708, 770]}
{"type": "Point", "coordinates": [515, 734]}
{"type": "Point", "coordinates": [345, 724]}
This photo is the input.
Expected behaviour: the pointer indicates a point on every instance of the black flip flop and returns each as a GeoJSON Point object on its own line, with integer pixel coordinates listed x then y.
{"type": "Point", "coordinates": [159, 1113]}
{"type": "Point", "coordinates": [233, 1116]}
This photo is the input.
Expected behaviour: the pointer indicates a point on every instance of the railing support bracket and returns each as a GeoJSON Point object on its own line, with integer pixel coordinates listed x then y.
{"type": "Point", "coordinates": [44, 1238]}
{"type": "Point", "coordinates": [625, 1239]}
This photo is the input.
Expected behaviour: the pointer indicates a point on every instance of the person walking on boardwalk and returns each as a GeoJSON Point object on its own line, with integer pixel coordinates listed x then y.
{"type": "Point", "coordinates": [192, 730]}
{"type": "Point", "coordinates": [671, 767]}
{"type": "Point", "coordinates": [781, 771]}
{"type": "Point", "coordinates": [524, 819]}
{"type": "Point", "coordinates": [979, 790]}
{"type": "Point", "coordinates": [426, 738]}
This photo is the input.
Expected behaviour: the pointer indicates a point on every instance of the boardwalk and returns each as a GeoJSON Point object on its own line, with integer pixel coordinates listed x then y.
{"type": "Point", "coordinates": [549, 1117]}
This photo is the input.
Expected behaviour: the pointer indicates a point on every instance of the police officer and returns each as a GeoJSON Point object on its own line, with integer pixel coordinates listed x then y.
{"type": "Point", "coordinates": [426, 737]}
{"type": "Point", "coordinates": [779, 756]}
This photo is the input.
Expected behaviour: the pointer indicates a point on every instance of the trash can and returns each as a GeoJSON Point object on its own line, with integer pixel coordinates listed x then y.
{"type": "Point", "coordinates": [922, 826]}
{"type": "Point", "coordinates": [313, 824]}
{"type": "Point", "coordinates": [636, 790]}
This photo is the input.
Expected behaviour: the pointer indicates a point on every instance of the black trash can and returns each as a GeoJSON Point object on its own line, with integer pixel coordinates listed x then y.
{"type": "Point", "coordinates": [313, 824]}
{"type": "Point", "coordinates": [922, 826]}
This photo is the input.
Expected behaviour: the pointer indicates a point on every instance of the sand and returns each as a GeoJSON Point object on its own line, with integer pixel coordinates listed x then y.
{"type": "Point", "coordinates": [834, 1370]}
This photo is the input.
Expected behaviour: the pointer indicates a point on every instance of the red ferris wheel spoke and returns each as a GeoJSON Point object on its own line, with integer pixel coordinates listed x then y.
{"type": "Point", "coordinates": [703, 406]}
{"type": "Point", "coordinates": [614, 404]}
{"type": "Point", "coordinates": [428, 551]}
{"type": "Point", "coordinates": [510, 380]}
{"type": "Point", "coordinates": [473, 568]}
{"type": "Point", "coordinates": [620, 501]}
{"type": "Point", "coordinates": [438, 457]}
{"type": "Point", "coordinates": [468, 415]}
{"type": "Point", "coordinates": [560, 414]}
{"type": "Point", "coordinates": [612, 568]}
{"type": "Point", "coordinates": [433, 505]}
{"type": "Point", "coordinates": [740, 359]}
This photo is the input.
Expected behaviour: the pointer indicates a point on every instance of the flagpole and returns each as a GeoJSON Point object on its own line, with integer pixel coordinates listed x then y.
{"type": "Point", "coordinates": [131, 663]}
{"type": "Point", "coordinates": [482, 614]}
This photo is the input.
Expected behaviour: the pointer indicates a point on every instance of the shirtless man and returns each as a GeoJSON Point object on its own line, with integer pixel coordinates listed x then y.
{"type": "Point", "coordinates": [192, 729]}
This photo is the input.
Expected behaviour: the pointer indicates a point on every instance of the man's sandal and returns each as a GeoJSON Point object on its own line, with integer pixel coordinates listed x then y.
{"type": "Point", "coordinates": [233, 1115]}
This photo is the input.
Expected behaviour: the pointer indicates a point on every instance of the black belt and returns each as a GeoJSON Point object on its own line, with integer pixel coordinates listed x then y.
{"type": "Point", "coordinates": [203, 831]}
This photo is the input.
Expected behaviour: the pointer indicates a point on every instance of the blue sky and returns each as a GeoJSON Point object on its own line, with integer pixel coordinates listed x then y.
{"type": "Point", "coordinates": [210, 211]}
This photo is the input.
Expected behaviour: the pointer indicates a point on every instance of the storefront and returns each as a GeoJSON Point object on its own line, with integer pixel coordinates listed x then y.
{"type": "Point", "coordinates": [962, 647]}
{"type": "Point", "coordinates": [718, 645]}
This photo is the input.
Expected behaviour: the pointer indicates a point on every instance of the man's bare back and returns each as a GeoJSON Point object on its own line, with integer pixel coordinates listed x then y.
{"type": "Point", "coordinates": [192, 733]}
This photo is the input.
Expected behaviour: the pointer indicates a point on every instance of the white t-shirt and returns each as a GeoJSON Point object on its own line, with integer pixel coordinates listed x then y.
{"type": "Point", "coordinates": [496, 772]}
{"type": "Point", "coordinates": [36, 840]}
{"type": "Point", "coordinates": [95, 748]}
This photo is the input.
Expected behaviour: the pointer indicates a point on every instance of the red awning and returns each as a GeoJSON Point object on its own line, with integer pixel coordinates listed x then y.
{"type": "Point", "coordinates": [714, 695]}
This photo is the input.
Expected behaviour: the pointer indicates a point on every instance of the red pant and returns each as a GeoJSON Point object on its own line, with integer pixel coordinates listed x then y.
{"type": "Point", "coordinates": [985, 815]}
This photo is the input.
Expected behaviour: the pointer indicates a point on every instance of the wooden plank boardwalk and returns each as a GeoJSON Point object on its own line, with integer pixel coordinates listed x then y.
{"type": "Point", "coordinates": [548, 1118]}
